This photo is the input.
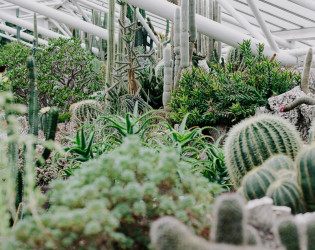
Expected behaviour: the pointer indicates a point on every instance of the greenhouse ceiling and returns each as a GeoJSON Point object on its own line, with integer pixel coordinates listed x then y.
{"type": "Point", "coordinates": [286, 27]}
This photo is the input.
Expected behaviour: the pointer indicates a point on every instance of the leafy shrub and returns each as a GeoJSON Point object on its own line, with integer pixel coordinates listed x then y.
{"type": "Point", "coordinates": [226, 96]}
{"type": "Point", "coordinates": [66, 72]}
{"type": "Point", "coordinates": [111, 202]}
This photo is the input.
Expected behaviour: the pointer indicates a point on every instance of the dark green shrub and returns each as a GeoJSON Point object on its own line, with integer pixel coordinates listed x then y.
{"type": "Point", "coordinates": [226, 96]}
{"type": "Point", "coordinates": [110, 202]}
{"type": "Point", "coordinates": [65, 72]}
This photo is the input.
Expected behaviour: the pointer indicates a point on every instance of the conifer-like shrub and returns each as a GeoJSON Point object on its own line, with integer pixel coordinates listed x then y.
{"type": "Point", "coordinates": [109, 203]}
{"type": "Point", "coordinates": [228, 94]}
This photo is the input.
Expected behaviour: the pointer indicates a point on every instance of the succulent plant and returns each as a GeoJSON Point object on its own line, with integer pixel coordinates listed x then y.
{"type": "Point", "coordinates": [33, 97]}
{"type": "Point", "coordinates": [86, 110]}
{"type": "Point", "coordinates": [286, 192]}
{"type": "Point", "coordinates": [310, 232]}
{"type": "Point", "coordinates": [279, 162]}
{"type": "Point", "coordinates": [254, 140]}
{"type": "Point", "coordinates": [256, 182]}
{"type": "Point", "coordinates": [229, 220]}
{"type": "Point", "coordinates": [289, 234]}
{"type": "Point", "coordinates": [167, 77]}
{"type": "Point", "coordinates": [110, 202]}
{"type": "Point", "coordinates": [306, 172]}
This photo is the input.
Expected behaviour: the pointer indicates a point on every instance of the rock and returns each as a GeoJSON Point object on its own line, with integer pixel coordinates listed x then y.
{"type": "Point", "coordinates": [281, 211]}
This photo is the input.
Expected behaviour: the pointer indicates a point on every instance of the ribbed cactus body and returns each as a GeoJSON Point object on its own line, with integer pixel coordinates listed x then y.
{"type": "Point", "coordinates": [184, 35]}
{"type": "Point", "coordinates": [306, 172]}
{"type": "Point", "coordinates": [286, 192]}
{"type": "Point", "coordinates": [279, 162]}
{"type": "Point", "coordinates": [256, 183]}
{"type": "Point", "coordinates": [289, 234]}
{"type": "Point", "coordinates": [43, 118]}
{"type": "Point", "coordinates": [85, 110]}
{"type": "Point", "coordinates": [167, 77]}
{"type": "Point", "coordinates": [287, 174]}
{"type": "Point", "coordinates": [229, 220]}
{"type": "Point", "coordinates": [254, 140]}
{"type": "Point", "coordinates": [33, 97]}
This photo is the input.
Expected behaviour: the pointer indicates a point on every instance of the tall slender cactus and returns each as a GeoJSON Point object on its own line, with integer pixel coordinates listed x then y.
{"type": "Point", "coordinates": [33, 97]}
{"type": "Point", "coordinates": [167, 77]}
{"type": "Point", "coordinates": [111, 43]}
{"type": "Point", "coordinates": [192, 28]}
{"type": "Point", "coordinates": [306, 71]}
{"type": "Point", "coordinates": [177, 43]}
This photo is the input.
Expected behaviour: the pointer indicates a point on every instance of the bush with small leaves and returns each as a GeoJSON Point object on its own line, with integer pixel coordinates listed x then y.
{"type": "Point", "coordinates": [110, 202]}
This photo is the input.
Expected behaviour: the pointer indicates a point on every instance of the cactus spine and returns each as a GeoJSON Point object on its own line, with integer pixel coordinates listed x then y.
{"type": "Point", "coordinates": [229, 220]}
{"type": "Point", "coordinates": [85, 111]}
{"type": "Point", "coordinates": [289, 234]}
{"type": "Point", "coordinates": [167, 77]}
{"type": "Point", "coordinates": [286, 192]}
{"type": "Point", "coordinates": [33, 97]}
{"type": "Point", "coordinates": [111, 43]}
{"type": "Point", "coordinates": [306, 172]}
{"type": "Point", "coordinates": [254, 140]}
{"type": "Point", "coordinates": [257, 181]}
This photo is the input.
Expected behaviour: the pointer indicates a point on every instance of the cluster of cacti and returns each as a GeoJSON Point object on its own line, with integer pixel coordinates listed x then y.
{"type": "Point", "coordinates": [229, 230]}
{"type": "Point", "coordinates": [254, 140]}
{"type": "Point", "coordinates": [86, 110]}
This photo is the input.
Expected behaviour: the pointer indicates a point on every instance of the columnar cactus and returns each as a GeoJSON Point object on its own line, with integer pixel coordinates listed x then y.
{"type": "Point", "coordinates": [167, 77]}
{"type": "Point", "coordinates": [176, 43]}
{"type": "Point", "coordinates": [229, 220]}
{"type": "Point", "coordinates": [286, 192]}
{"type": "Point", "coordinates": [289, 234]}
{"type": "Point", "coordinates": [192, 28]}
{"type": "Point", "coordinates": [33, 97]}
{"type": "Point", "coordinates": [184, 35]}
{"type": "Point", "coordinates": [306, 71]}
{"type": "Point", "coordinates": [256, 182]}
{"type": "Point", "coordinates": [254, 140]}
{"type": "Point", "coordinates": [111, 42]}
{"type": "Point", "coordinates": [306, 172]}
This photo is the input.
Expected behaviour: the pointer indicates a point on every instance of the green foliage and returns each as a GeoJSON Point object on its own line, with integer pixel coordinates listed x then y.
{"type": "Point", "coordinates": [289, 235]}
{"type": "Point", "coordinates": [254, 140]}
{"type": "Point", "coordinates": [65, 72]}
{"type": "Point", "coordinates": [226, 95]}
{"type": "Point", "coordinates": [110, 202]}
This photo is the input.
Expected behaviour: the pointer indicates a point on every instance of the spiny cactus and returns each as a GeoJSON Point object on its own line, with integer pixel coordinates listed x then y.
{"type": "Point", "coordinates": [176, 43]}
{"type": "Point", "coordinates": [287, 174]}
{"type": "Point", "coordinates": [85, 110]}
{"type": "Point", "coordinates": [289, 234]}
{"type": "Point", "coordinates": [184, 35]}
{"type": "Point", "coordinates": [254, 140]}
{"type": "Point", "coordinates": [306, 172]}
{"type": "Point", "coordinates": [50, 127]}
{"type": "Point", "coordinates": [257, 181]}
{"type": "Point", "coordinates": [302, 100]}
{"type": "Point", "coordinates": [311, 133]}
{"type": "Point", "coordinates": [167, 77]}
{"type": "Point", "coordinates": [111, 42]}
{"type": "Point", "coordinates": [192, 28]}
{"type": "Point", "coordinates": [286, 192]}
{"type": "Point", "coordinates": [279, 162]}
{"type": "Point", "coordinates": [253, 237]}
{"type": "Point", "coordinates": [229, 220]}
{"type": "Point", "coordinates": [33, 97]}
{"type": "Point", "coordinates": [306, 71]}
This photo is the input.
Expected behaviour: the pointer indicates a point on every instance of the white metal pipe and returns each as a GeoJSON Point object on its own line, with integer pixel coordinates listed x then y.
{"type": "Point", "coordinates": [281, 41]}
{"type": "Point", "coordinates": [14, 39]}
{"type": "Point", "coordinates": [228, 7]}
{"type": "Point", "coordinates": [29, 25]}
{"type": "Point", "coordinates": [59, 27]}
{"type": "Point", "coordinates": [82, 11]}
{"type": "Point", "coordinates": [96, 7]}
{"type": "Point", "coordinates": [61, 17]}
{"type": "Point", "coordinates": [22, 34]}
{"type": "Point", "coordinates": [146, 26]}
{"type": "Point", "coordinates": [263, 25]}
{"type": "Point", "coordinates": [210, 28]}
{"type": "Point", "coordinates": [67, 30]}
{"type": "Point", "coordinates": [300, 51]}
{"type": "Point", "coordinates": [307, 4]}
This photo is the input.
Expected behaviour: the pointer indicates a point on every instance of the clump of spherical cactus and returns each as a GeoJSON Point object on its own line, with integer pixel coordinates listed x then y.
{"type": "Point", "coordinates": [86, 110]}
{"type": "Point", "coordinates": [110, 202]}
{"type": "Point", "coordinates": [288, 232]}
{"type": "Point", "coordinates": [254, 140]}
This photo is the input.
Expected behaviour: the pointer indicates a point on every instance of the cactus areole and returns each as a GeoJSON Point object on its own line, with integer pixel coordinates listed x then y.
{"type": "Point", "coordinates": [254, 140]}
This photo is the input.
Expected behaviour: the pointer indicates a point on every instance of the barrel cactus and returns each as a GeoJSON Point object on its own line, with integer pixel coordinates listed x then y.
{"type": "Point", "coordinates": [279, 162]}
{"type": "Point", "coordinates": [285, 192]}
{"type": "Point", "coordinates": [256, 182]}
{"type": "Point", "coordinates": [254, 140]}
{"type": "Point", "coordinates": [86, 110]}
{"type": "Point", "coordinates": [306, 172]}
